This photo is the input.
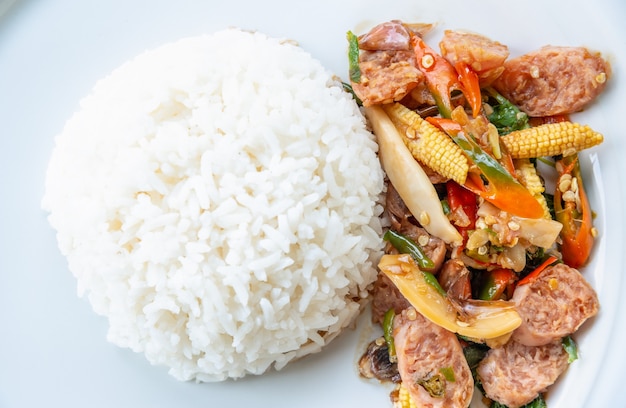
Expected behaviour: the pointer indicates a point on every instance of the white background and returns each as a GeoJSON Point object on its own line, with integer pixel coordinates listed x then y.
{"type": "Point", "coordinates": [53, 350]}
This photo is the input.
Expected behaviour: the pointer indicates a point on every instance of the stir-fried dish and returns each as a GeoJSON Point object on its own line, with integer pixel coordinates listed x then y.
{"type": "Point", "coordinates": [480, 287]}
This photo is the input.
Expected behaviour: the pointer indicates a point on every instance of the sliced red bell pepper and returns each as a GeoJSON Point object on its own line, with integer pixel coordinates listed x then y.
{"type": "Point", "coordinates": [471, 86]}
{"type": "Point", "coordinates": [537, 271]}
{"type": "Point", "coordinates": [441, 77]}
{"type": "Point", "coordinates": [498, 280]}
{"type": "Point", "coordinates": [577, 233]}
{"type": "Point", "coordinates": [459, 197]}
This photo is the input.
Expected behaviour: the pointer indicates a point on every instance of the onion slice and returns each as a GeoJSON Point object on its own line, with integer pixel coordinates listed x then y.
{"type": "Point", "coordinates": [471, 318]}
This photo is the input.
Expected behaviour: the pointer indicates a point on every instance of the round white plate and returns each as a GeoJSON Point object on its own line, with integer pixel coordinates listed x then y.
{"type": "Point", "coordinates": [53, 348]}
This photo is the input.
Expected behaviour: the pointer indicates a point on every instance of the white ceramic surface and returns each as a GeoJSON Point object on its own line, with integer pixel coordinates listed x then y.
{"type": "Point", "coordinates": [53, 348]}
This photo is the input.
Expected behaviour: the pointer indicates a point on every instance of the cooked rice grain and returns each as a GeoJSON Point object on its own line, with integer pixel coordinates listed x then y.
{"type": "Point", "coordinates": [217, 200]}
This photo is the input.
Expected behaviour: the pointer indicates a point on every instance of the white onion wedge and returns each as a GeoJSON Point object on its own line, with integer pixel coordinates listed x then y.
{"type": "Point", "coordinates": [409, 179]}
{"type": "Point", "coordinates": [472, 318]}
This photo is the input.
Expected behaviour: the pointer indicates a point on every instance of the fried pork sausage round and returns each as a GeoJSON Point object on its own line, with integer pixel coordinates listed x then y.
{"type": "Point", "coordinates": [402, 221]}
{"type": "Point", "coordinates": [431, 362]}
{"type": "Point", "coordinates": [485, 56]}
{"type": "Point", "coordinates": [515, 374]}
{"type": "Point", "coordinates": [553, 305]}
{"type": "Point", "coordinates": [390, 35]}
{"type": "Point", "coordinates": [553, 80]}
{"type": "Point", "coordinates": [386, 76]}
{"type": "Point", "coordinates": [386, 296]}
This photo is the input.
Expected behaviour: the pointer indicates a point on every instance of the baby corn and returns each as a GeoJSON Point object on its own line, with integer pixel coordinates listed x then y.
{"type": "Point", "coordinates": [551, 139]}
{"type": "Point", "coordinates": [401, 398]}
{"type": "Point", "coordinates": [428, 144]}
{"type": "Point", "coordinates": [527, 175]}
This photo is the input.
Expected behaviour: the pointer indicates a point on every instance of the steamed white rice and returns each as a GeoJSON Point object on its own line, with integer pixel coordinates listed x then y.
{"type": "Point", "coordinates": [216, 199]}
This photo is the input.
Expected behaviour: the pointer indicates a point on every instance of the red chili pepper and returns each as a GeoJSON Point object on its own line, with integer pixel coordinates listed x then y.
{"type": "Point", "coordinates": [471, 86]}
{"type": "Point", "coordinates": [441, 77]}
{"type": "Point", "coordinates": [577, 223]}
{"type": "Point", "coordinates": [498, 280]}
{"type": "Point", "coordinates": [462, 198]}
{"type": "Point", "coordinates": [537, 271]}
{"type": "Point", "coordinates": [446, 124]}
{"type": "Point", "coordinates": [536, 121]}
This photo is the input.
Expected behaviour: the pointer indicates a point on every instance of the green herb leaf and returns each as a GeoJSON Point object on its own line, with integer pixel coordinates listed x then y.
{"type": "Point", "coordinates": [474, 353]}
{"type": "Point", "coordinates": [506, 117]}
{"type": "Point", "coordinates": [572, 349]}
{"type": "Point", "coordinates": [538, 402]}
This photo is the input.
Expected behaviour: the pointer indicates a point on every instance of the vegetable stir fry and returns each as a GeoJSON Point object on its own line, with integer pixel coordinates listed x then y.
{"type": "Point", "coordinates": [481, 263]}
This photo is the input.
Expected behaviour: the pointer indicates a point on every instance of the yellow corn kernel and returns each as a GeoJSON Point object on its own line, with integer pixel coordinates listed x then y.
{"type": "Point", "coordinates": [401, 397]}
{"type": "Point", "coordinates": [527, 175]}
{"type": "Point", "coordinates": [428, 144]}
{"type": "Point", "coordinates": [551, 139]}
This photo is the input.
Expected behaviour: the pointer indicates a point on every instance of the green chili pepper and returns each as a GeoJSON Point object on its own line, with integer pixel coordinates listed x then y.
{"type": "Point", "coordinates": [406, 245]}
{"type": "Point", "coordinates": [388, 332]}
{"type": "Point", "coordinates": [448, 373]}
{"type": "Point", "coordinates": [434, 385]}
{"type": "Point", "coordinates": [432, 281]}
{"type": "Point", "coordinates": [353, 57]}
{"type": "Point", "coordinates": [496, 282]}
{"type": "Point", "coordinates": [446, 206]}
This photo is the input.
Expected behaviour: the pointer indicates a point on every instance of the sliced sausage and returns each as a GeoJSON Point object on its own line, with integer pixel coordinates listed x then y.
{"type": "Point", "coordinates": [386, 76]}
{"type": "Point", "coordinates": [387, 63]}
{"type": "Point", "coordinates": [385, 296]}
{"type": "Point", "coordinates": [553, 80]}
{"type": "Point", "coordinates": [485, 56]}
{"type": "Point", "coordinates": [515, 374]}
{"type": "Point", "coordinates": [427, 354]}
{"type": "Point", "coordinates": [553, 305]}
{"type": "Point", "coordinates": [402, 221]}
{"type": "Point", "coordinates": [392, 35]}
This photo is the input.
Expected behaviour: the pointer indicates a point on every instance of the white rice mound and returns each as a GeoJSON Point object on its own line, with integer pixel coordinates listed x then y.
{"type": "Point", "coordinates": [218, 200]}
